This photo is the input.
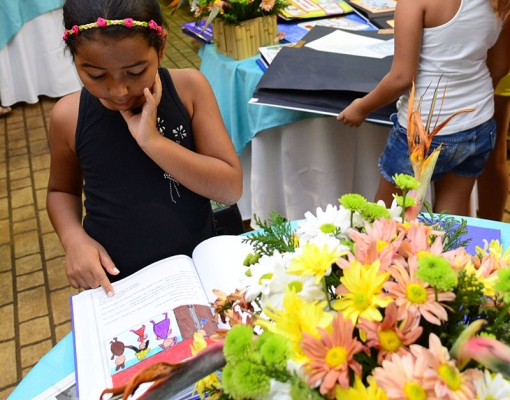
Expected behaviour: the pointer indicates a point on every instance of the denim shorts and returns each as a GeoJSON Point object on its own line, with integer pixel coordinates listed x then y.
{"type": "Point", "coordinates": [463, 153]}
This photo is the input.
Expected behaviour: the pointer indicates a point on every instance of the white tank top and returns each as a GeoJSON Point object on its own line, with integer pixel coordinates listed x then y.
{"type": "Point", "coordinates": [457, 51]}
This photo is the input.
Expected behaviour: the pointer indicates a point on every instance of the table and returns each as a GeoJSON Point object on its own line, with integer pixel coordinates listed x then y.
{"type": "Point", "coordinates": [293, 161]}
{"type": "Point", "coordinates": [32, 58]}
{"type": "Point", "coordinates": [58, 363]}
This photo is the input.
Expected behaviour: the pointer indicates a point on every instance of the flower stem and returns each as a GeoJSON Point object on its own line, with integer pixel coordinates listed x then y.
{"type": "Point", "coordinates": [501, 315]}
{"type": "Point", "coordinates": [404, 194]}
{"type": "Point", "coordinates": [325, 288]}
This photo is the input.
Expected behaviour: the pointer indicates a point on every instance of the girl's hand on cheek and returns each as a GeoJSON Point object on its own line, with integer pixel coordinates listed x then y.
{"type": "Point", "coordinates": [143, 125]}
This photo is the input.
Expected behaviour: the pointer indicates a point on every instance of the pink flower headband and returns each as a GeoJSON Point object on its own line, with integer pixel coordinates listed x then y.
{"type": "Point", "coordinates": [101, 23]}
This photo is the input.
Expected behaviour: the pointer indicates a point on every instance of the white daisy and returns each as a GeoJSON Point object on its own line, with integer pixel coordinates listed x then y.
{"type": "Point", "coordinates": [304, 286]}
{"type": "Point", "coordinates": [490, 387]}
{"type": "Point", "coordinates": [326, 222]}
{"type": "Point", "coordinates": [279, 391]}
{"type": "Point", "coordinates": [259, 276]}
{"type": "Point", "coordinates": [395, 210]}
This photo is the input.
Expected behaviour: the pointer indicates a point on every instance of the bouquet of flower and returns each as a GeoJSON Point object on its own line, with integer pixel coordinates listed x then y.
{"type": "Point", "coordinates": [235, 11]}
{"type": "Point", "coordinates": [358, 302]}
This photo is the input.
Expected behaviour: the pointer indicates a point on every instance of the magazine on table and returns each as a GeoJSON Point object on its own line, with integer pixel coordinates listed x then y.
{"type": "Point", "coordinates": [153, 315]}
{"type": "Point", "coordinates": [303, 9]}
{"type": "Point", "coordinates": [197, 31]}
{"type": "Point", "coordinates": [295, 30]}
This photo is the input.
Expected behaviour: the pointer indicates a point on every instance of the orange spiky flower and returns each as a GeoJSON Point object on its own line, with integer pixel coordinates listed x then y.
{"type": "Point", "coordinates": [419, 138]}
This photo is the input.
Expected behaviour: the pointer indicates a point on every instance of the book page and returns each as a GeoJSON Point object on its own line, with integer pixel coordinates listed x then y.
{"type": "Point", "coordinates": [342, 42]}
{"type": "Point", "coordinates": [152, 317]}
{"type": "Point", "coordinates": [219, 263]}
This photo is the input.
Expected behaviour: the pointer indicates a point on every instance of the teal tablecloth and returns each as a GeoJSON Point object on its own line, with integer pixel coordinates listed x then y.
{"type": "Point", "coordinates": [14, 14]}
{"type": "Point", "coordinates": [233, 83]}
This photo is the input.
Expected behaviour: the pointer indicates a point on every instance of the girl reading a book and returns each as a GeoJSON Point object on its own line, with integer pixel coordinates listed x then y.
{"type": "Point", "coordinates": [147, 145]}
{"type": "Point", "coordinates": [445, 44]}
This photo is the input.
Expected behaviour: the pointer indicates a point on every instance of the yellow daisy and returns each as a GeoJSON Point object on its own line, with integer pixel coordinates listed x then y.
{"type": "Point", "coordinates": [358, 391]}
{"type": "Point", "coordinates": [313, 260]}
{"type": "Point", "coordinates": [361, 292]}
{"type": "Point", "coordinates": [297, 316]}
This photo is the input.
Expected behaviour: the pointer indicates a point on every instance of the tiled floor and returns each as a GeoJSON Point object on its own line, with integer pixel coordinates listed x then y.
{"type": "Point", "coordinates": [34, 292]}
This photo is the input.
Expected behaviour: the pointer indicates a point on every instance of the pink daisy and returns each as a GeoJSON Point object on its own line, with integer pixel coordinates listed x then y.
{"type": "Point", "coordinates": [443, 376]}
{"type": "Point", "coordinates": [402, 378]}
{"type": "Point", "coordinates": [418, 239]}
{"type": "Point", "coordinates": [380, 242]}
{"type": "Point", "coordinates": [390, 338]}
{"type": "Point", "coordinates": [267, 5]}
{"type": "Point", "coordinates": [331, 356]}
{"type": "Point", "coordinates": [412, 295]}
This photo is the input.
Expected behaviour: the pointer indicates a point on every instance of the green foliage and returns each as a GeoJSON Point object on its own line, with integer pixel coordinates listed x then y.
{"type": "Point", "coordinates": [454, 232]}
{"type": "Point", "coordinates": [367, 362]}
{"type": "Point", "coordinates": [275, 234]}
{"type": "Point", "coordinates": [469, 300]}
{"type": "Point", "coordinates": [236, 11]}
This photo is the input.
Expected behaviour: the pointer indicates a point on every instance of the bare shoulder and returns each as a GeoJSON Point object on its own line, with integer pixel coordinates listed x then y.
{"type": "Point", "coordinates": [188, 78]}
{"type": "Point", "coordinates": [192, 87]}
{"type": "Point", "coordinates": [64, 117]}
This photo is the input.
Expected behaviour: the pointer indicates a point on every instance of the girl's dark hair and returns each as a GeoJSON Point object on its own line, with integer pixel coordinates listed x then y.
{"type": "Point", "coordinates": [80, 12]}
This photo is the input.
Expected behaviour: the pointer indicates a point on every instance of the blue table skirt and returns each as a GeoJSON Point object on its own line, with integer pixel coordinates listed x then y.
{"type": "Point", "coordinates": [14, 14]}
{"type": "Point", "coordinates": [233, 83]}
{"type": "Point", "coordinates": [51, 369]}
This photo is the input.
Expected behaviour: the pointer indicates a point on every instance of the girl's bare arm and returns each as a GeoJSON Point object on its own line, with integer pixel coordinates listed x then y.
{"type": "Point", "coordinates": [498, 57]}
{"type": "Point", "coordinates": [86, 259]}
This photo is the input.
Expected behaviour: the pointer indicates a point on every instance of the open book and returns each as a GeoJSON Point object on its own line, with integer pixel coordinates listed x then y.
{"type": "Point", "coordinates": [153, 315]}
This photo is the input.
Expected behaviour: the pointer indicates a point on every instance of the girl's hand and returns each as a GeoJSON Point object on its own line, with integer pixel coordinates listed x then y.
{"type": "Point", "coordinates": [143, 125]}
{"type": "Point", "coordinates": [86, 262]}
{"type": "Point", "coordinates": [353, 115]}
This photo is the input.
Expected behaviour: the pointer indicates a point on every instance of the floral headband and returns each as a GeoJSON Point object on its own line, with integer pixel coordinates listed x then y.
{"type": "Point", "coordinates": [101, 23]}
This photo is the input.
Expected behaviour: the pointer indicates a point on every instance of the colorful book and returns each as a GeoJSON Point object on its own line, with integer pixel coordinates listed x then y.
{"type": "Point", "coordinates": [299, 9]}
{"type": "Point", "coordinates": [153, 315]}
{"type": "Point", "coordinates": [268, 53]}
{"type": "Point", "coordinates": [295, 30]}
{"type": "Point", "coordinates": [374, 9]}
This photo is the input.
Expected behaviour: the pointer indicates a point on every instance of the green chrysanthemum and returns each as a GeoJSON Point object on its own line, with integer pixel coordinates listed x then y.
{"type": "Point", "coordinates": [437, 272]}
{"type": "Point", "coordinates": [373, 211]}
{"type": "Point", "coordinates": [406, 182]}
{"type": "Point", "coordinates": [503, 285]}
{"type": "Point", "coordinates": [410, 201]}
{"type": "Point", "coordinates": [275, 351]}
{"type": "Point", "coordinates": [353, 201]}
{"type": "Point", "coordinates": [246, 380]}
{"type": "Point", "coordinates": [238, 344]}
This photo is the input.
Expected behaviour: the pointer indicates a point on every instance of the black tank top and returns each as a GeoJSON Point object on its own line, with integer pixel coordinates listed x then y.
{"type": "Point", "coordinates": [139, 213]}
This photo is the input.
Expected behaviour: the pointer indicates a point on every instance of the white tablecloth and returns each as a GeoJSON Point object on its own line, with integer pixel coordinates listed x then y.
{"type": "Point", "coordinates": [307, 164]}
{"type": "Point", "coordinates": [33, 63]}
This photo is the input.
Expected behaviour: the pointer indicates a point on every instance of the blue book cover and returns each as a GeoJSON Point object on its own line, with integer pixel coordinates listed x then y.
{"type": "Point", "coordinates": [196, 31]}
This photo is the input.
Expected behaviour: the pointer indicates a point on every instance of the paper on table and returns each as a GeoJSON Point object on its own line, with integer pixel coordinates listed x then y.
{"type": "Point", "coordinates": [342, 42]}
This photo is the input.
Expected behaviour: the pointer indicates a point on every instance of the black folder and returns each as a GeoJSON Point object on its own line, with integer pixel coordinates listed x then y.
{"type": "Point", "coordinates": [322, 82]}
